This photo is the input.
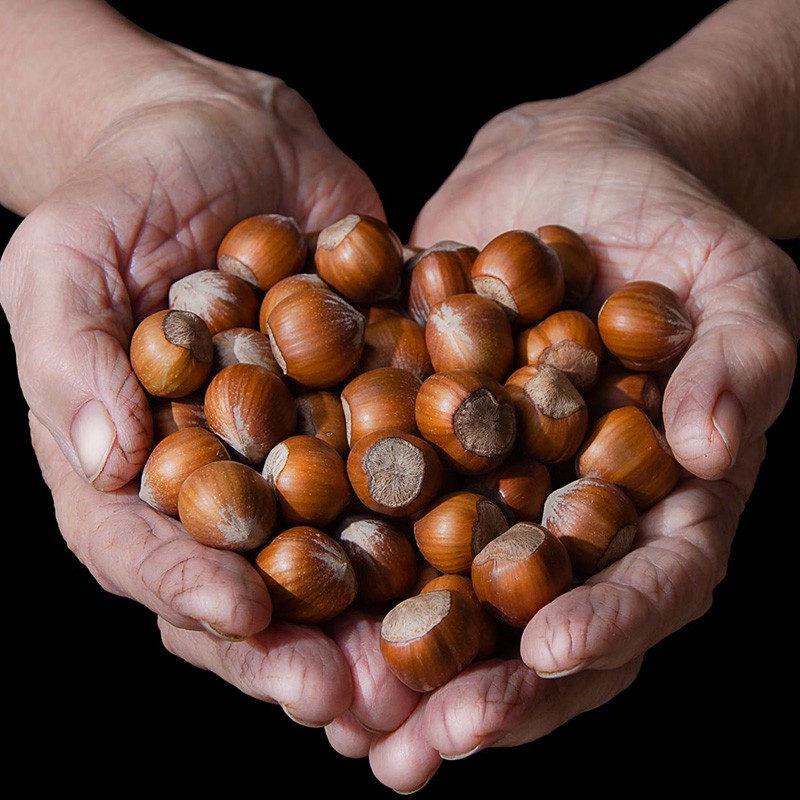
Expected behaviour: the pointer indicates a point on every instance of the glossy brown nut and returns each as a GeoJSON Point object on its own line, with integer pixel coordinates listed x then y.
{"type": "Point", "coordinates": [321, 414]}
{"type": "Point", "coordinates": [361, 257]}
{"type": "Point", "coordinates": [378, 400]}
{"type": "Point", "coordinates": [436, 273]}
{"type": "Point", "coordinates": [455, 528]}
{"type": "Point", "coordinates": [395, 341]}
{"type": "Point", "coordinates": [222, 301]}
{"type": "Point", "coordinates": [467, 331]}
{"type": "Point", "coordinates": [520, 486]}
{"type": "Point", "coordinates": [645, 325]}
{"type": "Point", "coordinates": [625, 448]}
{"type": "Point", "coordinates": [429, 638]}
{"type": "Point", "coordinates": [171, 353]}
{"type": "Point", "coordinates": [309, 479]}
{"type": "Point", "coordinates": [567, 340]}
{"type": "Point", "coordinates": [522, 274]}
{"type": "Point", "coordinates": [382, 557]}
{"type": "Point", "coordinates": [487, 627]}
{"type": "Point", "coordinates": [170, 415]}
{"type": "Point", "coordinates": [316, 337]}
{"type": "Point", "coordinates": [394, 473]}
{"type": "Point", "coordinates": [283, 289]}
{"type": "Point", "coordinates": [308, 575]}
{"type": "Point", "coordinates": [244, 346]}
{"type": "Point", "coordinates": [469, 417]}
{"type": "Point", "coordinates": [595, 520]}
{"type": "Point", "coordinates": [552, 418]}
{"type": "Point", "coordinates": [520, 572]}
{"type": "Point", "coordinates": [228, 506]}
{"type": "Point", "coordinates": [577, 262]}
{"type": "Point", "coordinates": [263, 249]}
{"type": "Point", "coordinates": [619, 387]}
{"type": "Point", "coordinates": [172, 460]}
{"type": "Point", "coordinates": [250, 409]}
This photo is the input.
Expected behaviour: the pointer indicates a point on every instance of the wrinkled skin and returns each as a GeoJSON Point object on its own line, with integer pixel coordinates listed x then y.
{"type": "Point", "coordinates": [645, 218]}
{"type": "Point", "coordinates": [149, 204]}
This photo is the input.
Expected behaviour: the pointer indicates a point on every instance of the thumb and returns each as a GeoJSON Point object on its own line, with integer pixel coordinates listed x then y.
{"type": "Point", "coordinates": [735, 378]}
{"type": "Point", "coordinates": [70, 319]}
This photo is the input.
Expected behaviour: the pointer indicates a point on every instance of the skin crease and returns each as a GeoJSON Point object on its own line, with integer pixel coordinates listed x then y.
{"type": "Point", "coordinates": [147, 227]}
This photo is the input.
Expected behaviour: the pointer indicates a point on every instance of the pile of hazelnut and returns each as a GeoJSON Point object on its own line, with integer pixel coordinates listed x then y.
{"type": "Point", "coordinates": [437, 434]}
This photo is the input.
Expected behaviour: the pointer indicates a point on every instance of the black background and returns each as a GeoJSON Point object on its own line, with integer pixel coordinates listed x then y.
{"type": "Point", "coordinates": [88, 681]}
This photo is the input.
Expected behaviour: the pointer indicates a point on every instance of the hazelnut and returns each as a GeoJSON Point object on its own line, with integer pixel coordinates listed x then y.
{"type": "Point", "coordinates": [594, 519]}
{"type": "Point", "coordinates": [361, 257]}
{"type": "Point", "coordinates": [263, 249]}
{"type": "Point", "coordinates": [320, 414]}
{"type": "Point", "coordinates": [577, 262]}
{"type": "Point", "coordinates": [520, 486]}
{"type": "Point", "coordinates": [437, 273]}
{"type": "Point", "coordinates": [378, 400]}
{"type": "Point", "coordinates": [520, 572]}
{"type": "Point", "coordinates": [308, 575]}
{"type": "Point", "coordinates": [619, 387]}
{"type": "Point", "coordinates": [171, 353]}
{"type": "Point", "coordinates": [395, 341]}
{"type": "Point", "coordinates": [283, 289]}
{"type": "Point", "coordinates": [567, 340]}
{"type": "Point", "coordinates": [228, 506]}
{"type": "Point", "coordinates": [222, 301]}
{"type": "Point", "coordinates": [457, 527]}
{"type": "Point", "coordinates": [244, 346]}
{"type": "Point", "coordinates": [250, 409]}
{"type": "Point", "coordinates": [522, 274]}
{"type": "Point", "coordinates": [170, 415]}
{"type": "Point", "coordinates": [172, 460]}
{"type": "Point", "coordinates": [625, 448]}
{"type": "Point", "coordinates": [429, 638]}
{"type": "Point", "coordinates": [316, 337]}
{"type": "Point", "coordinates": [467, 331]}
{"type": "Point", "coordinates": [394, 473]}
{"type": "Point", "coordinates": [645, 325]}
{"type": "Point", "coordinates": [309, 480]}
{"type": "Point", "coordinates": [382, 557]}
{"type": "Point", "coordinates": [469, 417]}
{"type": "Point", "coordinates": [551, 415]}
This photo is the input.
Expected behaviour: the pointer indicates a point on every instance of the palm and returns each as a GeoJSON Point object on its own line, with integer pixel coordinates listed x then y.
{"type": "Point", "coordinates": [644, 217]}
{"type": "Point", "coordinates": [148, 205]}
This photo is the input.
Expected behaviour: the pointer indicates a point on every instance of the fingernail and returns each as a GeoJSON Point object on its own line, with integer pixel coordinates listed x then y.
{"type": "Point", "coordinates": [228, 637]}
{"type": "Point", "coordinates": [93, 435]}
{"type": "Point", "coordinates": [459, 756]}
{"type": "Point", "coordinates": [302, 722]}
{"type": "Point", "coordinates": [728, 420]}
{"type": "Point", "coordinates": [566, 672]}
{"type": "Point", "coordinates": [418, 789]}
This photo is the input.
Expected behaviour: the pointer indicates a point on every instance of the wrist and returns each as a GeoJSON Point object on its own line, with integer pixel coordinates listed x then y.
{"type": "Point", "coordinates": [72, 71]}
{"type": "Point", "coordinates": [724, 104]}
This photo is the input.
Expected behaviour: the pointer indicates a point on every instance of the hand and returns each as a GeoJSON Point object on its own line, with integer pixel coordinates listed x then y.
{"type": "Point", "coordinates": [203, 147]}
{"type": "Point", "coordinates": [645, 217]}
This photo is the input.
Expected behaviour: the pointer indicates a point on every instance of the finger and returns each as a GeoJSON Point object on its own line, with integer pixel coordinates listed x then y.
{"type": "Point", "coordinates": [733, 381]}
{"type": "Point", "coordinates": [380, 701]}
{"type": "Point", "coordinates": [70, 319]}
{"type": "Point", "coordinates": [296, 666]}
{"type": "Point", "coordinates": [348, 737]}
{"type": "Point", "coordinates": [666, 581]}
{"type": "Point", "coordinates": [505, 704]}
{"type": "Point", "coordinates": [404, 760]}
{"type": "Point", "coordinates": [137, 552]}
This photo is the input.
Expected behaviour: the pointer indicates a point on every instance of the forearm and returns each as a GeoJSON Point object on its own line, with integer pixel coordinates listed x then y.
{"type": "Point", "coordinates": [724, 102]}
{"type": "Point", "coordinates": [69, 69]}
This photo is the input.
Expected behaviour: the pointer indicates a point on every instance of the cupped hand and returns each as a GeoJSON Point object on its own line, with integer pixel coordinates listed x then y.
{"type": "Point", "coordinates": [203, 146]}
{"type": "Point", "coordinates": [573, 163]}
